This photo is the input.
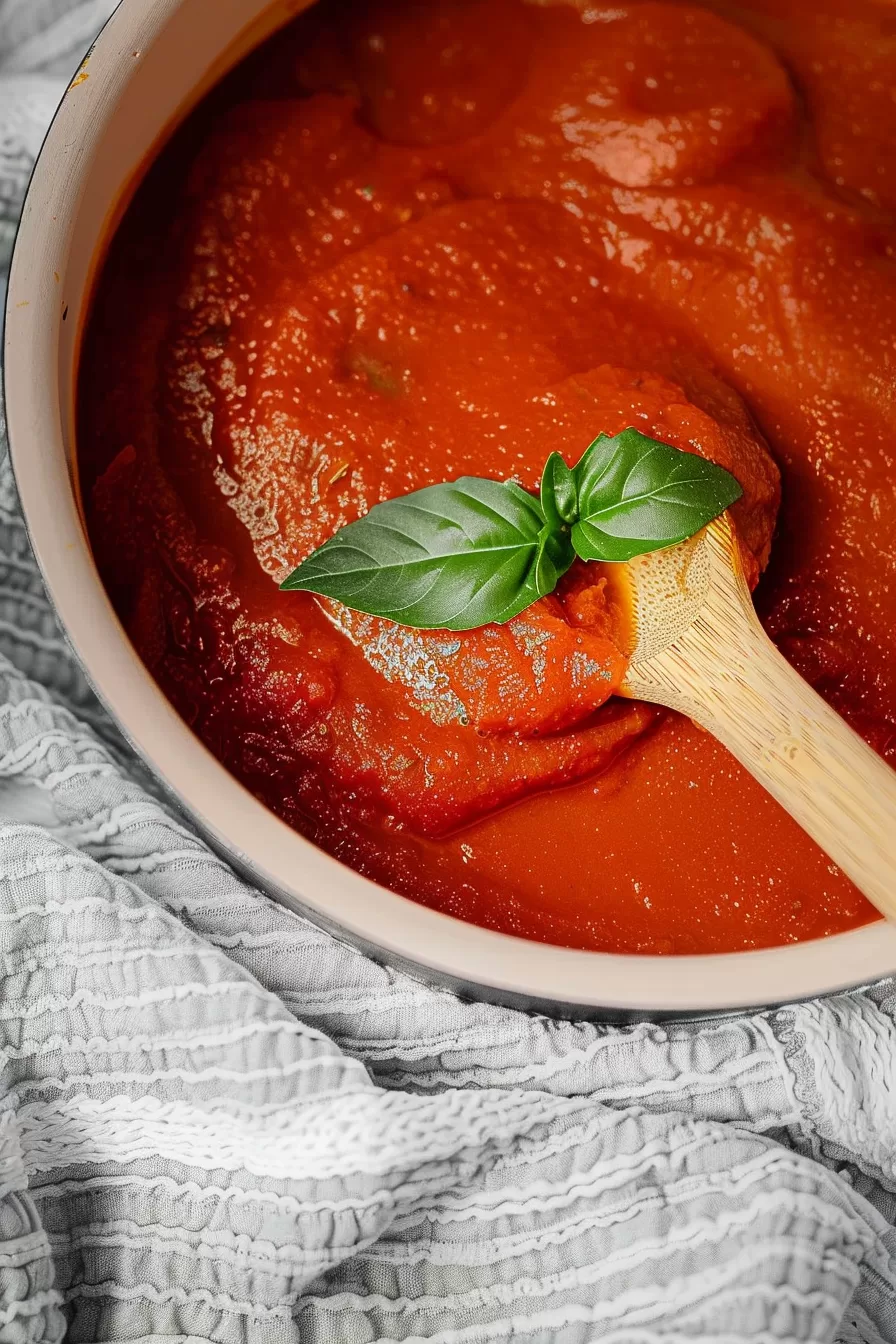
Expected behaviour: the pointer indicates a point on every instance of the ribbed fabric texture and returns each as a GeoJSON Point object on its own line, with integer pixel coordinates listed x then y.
{"type": "Point", "coordinates": [217, 1123]}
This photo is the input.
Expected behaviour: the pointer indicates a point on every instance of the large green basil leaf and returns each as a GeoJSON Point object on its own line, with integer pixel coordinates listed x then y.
{"type": "Point", "coordinates": [636, 495]}
{"type": "Point", "coordinates": [448, 557]}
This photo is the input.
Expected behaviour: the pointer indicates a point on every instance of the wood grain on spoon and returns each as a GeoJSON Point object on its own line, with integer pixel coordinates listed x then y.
{"type": "Point", "coordinates": [699, 648]}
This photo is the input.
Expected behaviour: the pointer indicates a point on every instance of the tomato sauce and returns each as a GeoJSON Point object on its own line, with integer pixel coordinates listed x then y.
{"type": "Point", "coordinates": [407, 241]}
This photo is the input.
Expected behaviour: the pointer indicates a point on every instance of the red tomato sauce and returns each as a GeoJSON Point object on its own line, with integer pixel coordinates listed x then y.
{"type": "Point", "coordinates": [408, 241]}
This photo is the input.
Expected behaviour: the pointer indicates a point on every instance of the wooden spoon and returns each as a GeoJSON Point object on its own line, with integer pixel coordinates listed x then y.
{"type": "Point", "coordinates": [699, 648]}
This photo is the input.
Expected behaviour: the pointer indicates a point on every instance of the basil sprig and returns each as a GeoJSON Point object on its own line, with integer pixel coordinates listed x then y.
{"type": "Point", "coordinates": [476, 551]}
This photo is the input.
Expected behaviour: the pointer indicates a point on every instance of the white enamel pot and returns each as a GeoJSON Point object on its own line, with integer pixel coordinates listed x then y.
{"type": "Point", "coordinates": [152, 62]}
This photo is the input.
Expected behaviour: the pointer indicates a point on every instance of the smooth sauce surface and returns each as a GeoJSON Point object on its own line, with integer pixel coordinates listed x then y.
{"type": "Point", "coordinates": [435, 239]}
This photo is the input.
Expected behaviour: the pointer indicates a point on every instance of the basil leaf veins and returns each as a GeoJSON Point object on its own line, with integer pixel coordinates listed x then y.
{"type": "Point", "coordinates": [636, 494]}
{"type": "Point", "coordinates": [448, 557]}
{"type": "Point", "coordinates": [476, 551]}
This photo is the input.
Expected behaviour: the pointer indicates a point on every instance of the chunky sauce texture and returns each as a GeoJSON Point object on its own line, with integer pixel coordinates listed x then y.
{"type": "Point", "coordinates": [416, 239]}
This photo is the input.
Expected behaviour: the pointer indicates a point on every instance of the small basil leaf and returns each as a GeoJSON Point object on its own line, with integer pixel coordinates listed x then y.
{"type": "Point", "coordinates": [558, 492]}
{"type": "Point", "coordinates": [553, 558]}
{"type": "Point", "coordinates": [448, 557]}
{"type": "Point", "coordinates": [638, 495]}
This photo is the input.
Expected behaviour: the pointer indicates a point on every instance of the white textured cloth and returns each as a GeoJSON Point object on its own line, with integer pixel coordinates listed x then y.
{"type": "Point", "coordinates": [217, 1123]}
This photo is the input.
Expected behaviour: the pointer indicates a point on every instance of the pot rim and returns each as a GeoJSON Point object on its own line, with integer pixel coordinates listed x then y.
{"type": "Point", "coordinates": [38, 368]}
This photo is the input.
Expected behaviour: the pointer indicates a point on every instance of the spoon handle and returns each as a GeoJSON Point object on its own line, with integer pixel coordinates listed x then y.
{"type": "Point", "coordinates": [727, 675]}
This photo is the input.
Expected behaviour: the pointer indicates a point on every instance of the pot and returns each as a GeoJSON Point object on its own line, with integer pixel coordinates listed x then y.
{"type": "Point", "coordinates": [151, 64]}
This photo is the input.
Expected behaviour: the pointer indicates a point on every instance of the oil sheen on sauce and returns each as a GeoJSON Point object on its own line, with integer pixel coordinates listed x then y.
{"type": "Point", "coordinates": [406, 241]}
